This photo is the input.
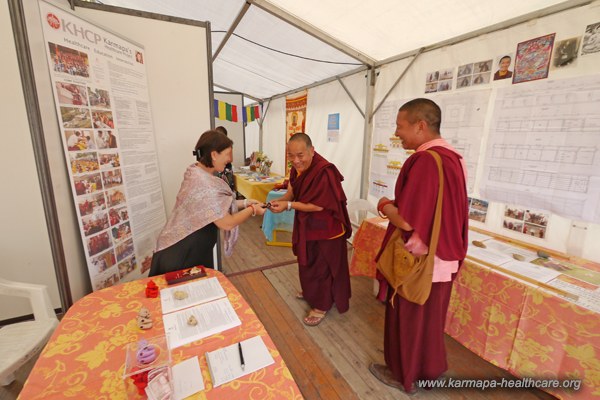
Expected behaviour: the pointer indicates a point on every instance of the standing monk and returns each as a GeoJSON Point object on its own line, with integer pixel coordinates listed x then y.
{"type": "Point", "coordinates": [414, 334]}
{"type": "Point", "coordinates": [321, 227]}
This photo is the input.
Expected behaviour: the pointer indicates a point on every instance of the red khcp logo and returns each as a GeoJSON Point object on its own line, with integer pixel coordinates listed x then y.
{"type": "Point", "coordinates": [53, 21]}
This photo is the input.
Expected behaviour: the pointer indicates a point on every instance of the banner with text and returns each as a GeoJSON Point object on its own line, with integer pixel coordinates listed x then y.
{"type": "Point", "coordinates": [103, 107]}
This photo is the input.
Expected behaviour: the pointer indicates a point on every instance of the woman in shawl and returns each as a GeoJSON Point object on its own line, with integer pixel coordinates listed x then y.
{"type": "Point", "coordinates": [204, 204]}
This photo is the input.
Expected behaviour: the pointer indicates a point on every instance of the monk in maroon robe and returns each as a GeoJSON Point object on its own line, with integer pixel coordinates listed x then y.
{"type": "Point", "coordinates": [321, 227]}
{"type": "Point", "coordinates": [414, 334]}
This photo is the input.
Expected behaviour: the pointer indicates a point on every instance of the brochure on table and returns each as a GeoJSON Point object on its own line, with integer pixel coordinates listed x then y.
{"type": "Point", "coordinates": [177, 298]}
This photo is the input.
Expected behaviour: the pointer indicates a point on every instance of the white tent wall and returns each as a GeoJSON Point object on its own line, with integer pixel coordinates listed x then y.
{"type": "Point", "coordinates": [346, 154]}
{"type": "Point", "coordinates": [566, 24]}
{"type": "Point", "coordinates": [330, 98]}
{"type": "Point", "coordinates": [26, 253]}
{"type": "Point", "coordinates": [252, 135]}
{"type": "Point", "coordinates": [235, 130]}
{"type": "Point", "coordinates": [273, 137]}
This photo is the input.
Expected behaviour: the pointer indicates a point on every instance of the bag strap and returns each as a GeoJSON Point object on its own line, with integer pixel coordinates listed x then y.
{"type": "Point", "coordinates": [435, 232]}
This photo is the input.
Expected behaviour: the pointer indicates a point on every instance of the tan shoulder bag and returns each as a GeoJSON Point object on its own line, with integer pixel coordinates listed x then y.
{"type": "Point", "coordinates": [411, 276]}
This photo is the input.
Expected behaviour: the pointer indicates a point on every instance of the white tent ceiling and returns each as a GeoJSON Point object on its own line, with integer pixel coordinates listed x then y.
{"type": "Point", "coordinates": [351, 33]}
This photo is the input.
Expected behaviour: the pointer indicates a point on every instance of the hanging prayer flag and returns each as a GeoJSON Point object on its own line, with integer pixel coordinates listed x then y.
{"type": "Point", "coordinates": [216, 107]}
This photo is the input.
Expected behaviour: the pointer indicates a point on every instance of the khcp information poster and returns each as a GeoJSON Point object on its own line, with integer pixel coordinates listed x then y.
{"type": "Point", "coordinates": [103, 107]}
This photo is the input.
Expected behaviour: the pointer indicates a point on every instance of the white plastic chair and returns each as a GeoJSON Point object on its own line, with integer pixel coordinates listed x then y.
{"type": "Point", "coordinates": [358, 210]}
{"type": "Point", "coordinates": [21, 341]}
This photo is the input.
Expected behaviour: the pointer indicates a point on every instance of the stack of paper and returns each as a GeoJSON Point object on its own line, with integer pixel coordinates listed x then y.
{"type": "Point", "coordinates": [225, 364]}
{"type": "Point", "coordinates": [208, 319]}
{"type": "Point", "coordinates": [194, 293]}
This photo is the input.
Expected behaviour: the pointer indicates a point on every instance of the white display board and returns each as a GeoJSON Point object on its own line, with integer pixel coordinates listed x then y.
{"type": "Point", "coordinates": [176, 55]}
{"type": "Point", "coordinates": [544, 149]}
{"type": "Point", "coordinates": [101, 94]}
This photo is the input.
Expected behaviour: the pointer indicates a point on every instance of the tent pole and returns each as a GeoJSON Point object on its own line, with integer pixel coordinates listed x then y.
{"type": "Point", "coordinates": [319, 83]}
{"type": "Point", "coordinates": [350, 95]}
{"type": "Point", "coordinates": [261, 119]}
{"type": "Point", "coordinates": [231, 29]}
{"type": "Point", "coordinates": [397, 82]}
{"type": "Point", "coordinates": [313, 31]}
{"type": "Point", "coordinates": [368, 132]}
{"type": "Point", "coordinates": [237, 91]}
{"type": "Point", "coordinates": [260, 125]}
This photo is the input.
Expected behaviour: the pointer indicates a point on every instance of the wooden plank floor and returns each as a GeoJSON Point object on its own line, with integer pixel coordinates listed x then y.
{"type": "Point", "coordinates": [343, 345]}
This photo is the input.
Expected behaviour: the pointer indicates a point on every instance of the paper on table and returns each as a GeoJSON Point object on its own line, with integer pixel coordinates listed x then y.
{"type": "Point", "coordinates": [187, 378]}
{"type": "Point", "coordinates": [224, 364]}
{"type": "Point", "coordinates": [540, 274]}
{"type": "Point", "coordinates": [587, 297]}
{"type": "Point", "coordinates": [509, 250]}
{"type": "Point", "coordinates": [198, 292]}
{"type": "Point", "coordinates": [211, 318]}
{"type": "Point", "coordinates": [488, 256]}
{"type": "Point", "coordinates": [474, 235]}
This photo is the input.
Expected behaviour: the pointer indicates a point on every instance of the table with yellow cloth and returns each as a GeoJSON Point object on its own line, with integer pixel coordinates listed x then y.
{"type": "Point", "coordinates": [521, 328]}
{"type": "Point", "coordinates": [253, 189]}
{"type": "Point", "coordinates": [85, 357]}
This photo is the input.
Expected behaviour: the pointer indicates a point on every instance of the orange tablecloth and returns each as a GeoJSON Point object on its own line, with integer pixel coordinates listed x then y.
{"type": "Point", "coordinates": [85, 357]}
{"type": "Point", "coordinates": [366, 243]}
{"type": "Point", "coordinates": [516, 326]}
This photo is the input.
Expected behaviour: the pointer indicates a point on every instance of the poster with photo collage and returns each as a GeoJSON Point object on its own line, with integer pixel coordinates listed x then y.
{"type": "Point", "coordinates": [102, 103]}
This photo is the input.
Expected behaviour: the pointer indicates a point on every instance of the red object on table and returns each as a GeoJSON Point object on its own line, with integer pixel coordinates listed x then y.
{"type": "Point", "coordinates": [151, 290]}
{"type": "Point", "coordinates": [185, 274]}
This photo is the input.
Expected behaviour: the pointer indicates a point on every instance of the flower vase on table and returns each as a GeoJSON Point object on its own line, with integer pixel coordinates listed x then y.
{"type": "Point", "coordinates": [265, 169]}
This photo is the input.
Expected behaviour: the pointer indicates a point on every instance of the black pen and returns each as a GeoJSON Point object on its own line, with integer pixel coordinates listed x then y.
{"type": "Point", "coordinates": [242, 363]}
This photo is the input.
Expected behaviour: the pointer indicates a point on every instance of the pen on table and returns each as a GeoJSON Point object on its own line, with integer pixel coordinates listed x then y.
{"type": "Point", "coordinates": [242, 363]}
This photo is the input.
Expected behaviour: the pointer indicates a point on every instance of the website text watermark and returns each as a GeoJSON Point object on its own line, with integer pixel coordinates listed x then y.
{"type": "Point", "coordinates": [501, 383]}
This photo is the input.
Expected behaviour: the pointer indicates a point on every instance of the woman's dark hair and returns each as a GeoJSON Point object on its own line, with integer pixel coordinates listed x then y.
{"type": "Point", "coordinates": [222, 130]}
{"type": "Point", "coordinates": [211, 141]}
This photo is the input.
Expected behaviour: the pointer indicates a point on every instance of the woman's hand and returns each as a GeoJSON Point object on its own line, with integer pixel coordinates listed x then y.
{"type": "Point", "coordinates": [257, 209]}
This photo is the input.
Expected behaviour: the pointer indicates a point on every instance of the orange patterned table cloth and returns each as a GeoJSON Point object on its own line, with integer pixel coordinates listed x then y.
{"type": "Point", "coordinates": [85, 357]}
{"type": "Point", "coordinates": [518, 327]}
{"type": "Point", "coordinates": [366, 243]}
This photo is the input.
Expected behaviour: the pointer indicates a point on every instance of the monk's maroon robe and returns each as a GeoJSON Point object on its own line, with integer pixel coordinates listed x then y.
{"type": "Point", "coordinates": [414, 335]}
{"type": "Point", "coordinates": [322, 261]}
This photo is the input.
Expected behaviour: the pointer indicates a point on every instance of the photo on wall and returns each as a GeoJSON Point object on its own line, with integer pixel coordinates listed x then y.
{"type": "Point", "coordinates": [533, 59]}
{"type": "Point", "coordinates": [565, 52]}
{"type": "Point", "coordinates": [71, 94]}
{"type": "Point", "coordinates": [504, 66]}
{"type": "Point", "coordinates": [591, 39]}
{"type": "Point", "coordinates": [476, 73]}
{"type": "Point", "coordinates": [439, 81]}
{"type": "Point", "coordinates": [528, 222]}
{"type": "Point", "coordinates": [478, 209]}
{"type": "Point", "coordinates": [69, 61]}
